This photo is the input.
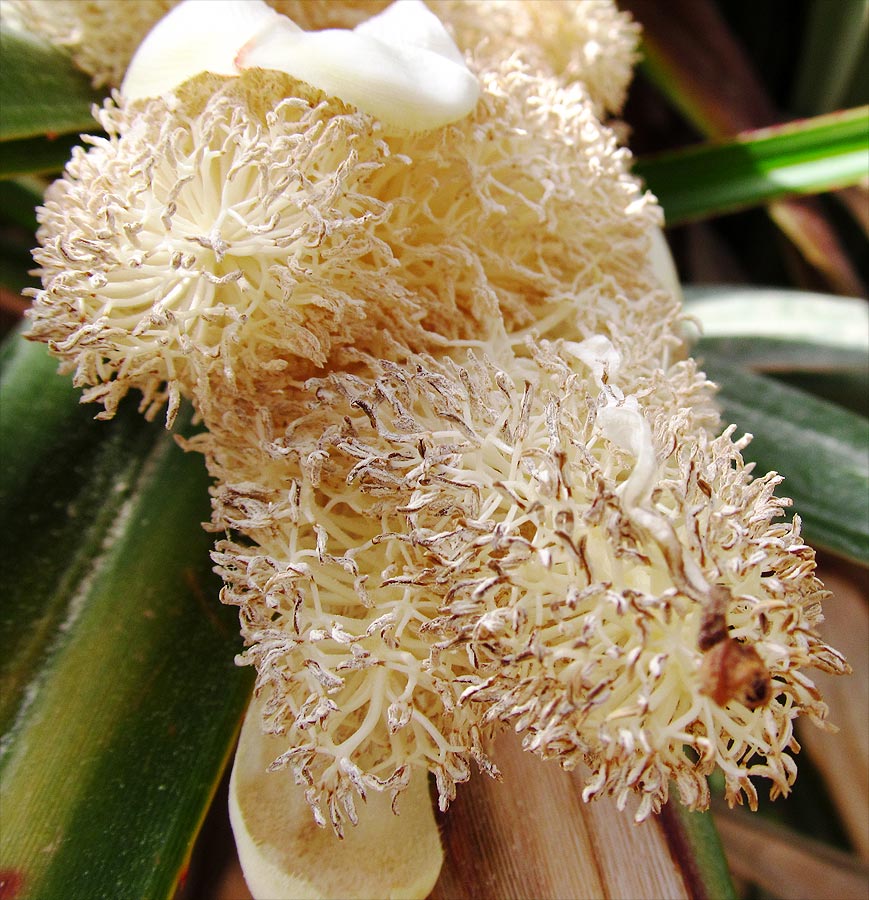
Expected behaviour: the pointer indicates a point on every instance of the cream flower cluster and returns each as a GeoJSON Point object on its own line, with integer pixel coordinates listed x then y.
{"type": "Point", "coordinates": [465, 477]}
{"type": "Point", "coordinates": [256, 225]}
{"type": "Point", "coordinates": [629, 602]}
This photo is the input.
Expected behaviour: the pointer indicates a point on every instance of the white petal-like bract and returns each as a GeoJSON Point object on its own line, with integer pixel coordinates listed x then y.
{"type": "Point", "coordinates": [400, 66]}
{"type": "Point", "coordinates": [196, 36]}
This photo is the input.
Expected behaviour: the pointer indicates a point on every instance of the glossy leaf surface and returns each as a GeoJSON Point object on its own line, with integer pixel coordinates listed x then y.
{"type": "Point", "coordinates": [43, 93]}
{"type": "Point", "coordinates": [120, 697]}
{"type": "Point", "coordinates": [37, 155]}
{"type": "Point", "coordinates": [777, 330]}
{"type": "Point", "coordinates": [805, 157]}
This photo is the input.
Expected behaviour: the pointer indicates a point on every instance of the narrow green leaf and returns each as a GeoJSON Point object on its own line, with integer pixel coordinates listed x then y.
{"type": "Point", "coordinates": [120, 697]}
{"type": "Point", "coordinates": [773, 329]}
{"type": "Point", "coordinates": [694, 58]}
{"type": "Point", "coordinates": [778, 356]}
{"type": "Point", "coordinates": [824, 77]}
{"type": "Point", "coordinates": [36, 156]}
{"type": "Point", "coordinates": [40, 89]}
{"type": "Point", "coordinates": [76, 476]}
{"type": "Point", "coordinates": [820, 448]}
{"type": "Point", "coordinates": [805, 157]}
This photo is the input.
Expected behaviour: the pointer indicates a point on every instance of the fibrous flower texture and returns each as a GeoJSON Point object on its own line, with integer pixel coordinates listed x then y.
{"type": "Point", "coordinates": [525, 545]}
{"type": "Point", "coordinates": [465, 476]}
{"type": "Point", "coordinates": [255, 225]}
{"type": "Point", "coordinates": [342, 644]}
{"type": "Point", "coordinates": [591, 42]}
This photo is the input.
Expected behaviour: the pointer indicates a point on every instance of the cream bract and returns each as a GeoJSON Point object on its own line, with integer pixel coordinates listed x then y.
{"type": "Point", "coordinates": [583, 41]}
{"type": "Point", "coordinates": [400, 66]}
{"type": "Point", "coordinates": [196, 36]}
{"type": "Point", "coordinates": [284, 854]}
{"type": "Point", "coordinates": [407, 88]}
{"type": "Point", "coordinates": [102, 43]}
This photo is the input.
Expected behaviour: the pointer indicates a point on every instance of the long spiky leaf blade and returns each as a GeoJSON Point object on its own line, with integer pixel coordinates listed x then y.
{"type": "Point", "coordinates": [757, 167]}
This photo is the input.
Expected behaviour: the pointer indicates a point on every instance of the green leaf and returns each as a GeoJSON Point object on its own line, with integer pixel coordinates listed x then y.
{"type": "Point", "coordinates": [824, 78]}
{"type": "Point", "coordinates": [805, 157]}
{"type": "Point", "coordinates": [120, 700]}
{"type": "Point", "coordinates": [773, 329]}
{"type": "Point", "coordinates": [40, 89]}
{"type": "Point", "coordinates": [14, 264]}
{"type": "Point", "coordinates": [36, 156]}
{"type": "Point", "coordinates": [819, 447]}
{"type": "Point", "coordinates": [774, 355]}
{"type": "Point", "coordinates": [694, 58]}
{"type": "Point", "coordinates": [17, 227]}
{"type": "Point", "coordinates": [849, 389]}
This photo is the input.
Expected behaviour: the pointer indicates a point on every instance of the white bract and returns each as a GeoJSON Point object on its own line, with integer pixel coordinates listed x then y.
{"type": "Point", "coordinates": [284, 854]}
{"type": "Point", "coordinates": [196, 36]}
{"type": "Point", "coordinates": [400, 66]}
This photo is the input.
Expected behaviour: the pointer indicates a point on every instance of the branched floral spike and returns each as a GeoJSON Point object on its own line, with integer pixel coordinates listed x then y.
{"type": "Point", "coordinates": [465, 477]}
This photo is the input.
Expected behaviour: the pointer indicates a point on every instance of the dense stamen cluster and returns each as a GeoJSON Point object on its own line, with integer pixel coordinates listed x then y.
{"type": "Point", "coordinates": [464, 475]}
{"type": "Point", "coordinates": [341, 644]}
{"type": "Point", "coordinates": [498, 511]}
{"type": "Point", "coordinates": [241, 229]}
{"type": "Point", "coordinates": [207, 240]}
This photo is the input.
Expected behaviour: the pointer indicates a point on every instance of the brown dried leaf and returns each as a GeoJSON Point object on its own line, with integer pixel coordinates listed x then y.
{"type": "Point", "coordinates": [786, 864]}
{"type": "Point", "coordinates": [843, 758]}
{"type": "Point", "coordinates": [532, 836]}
